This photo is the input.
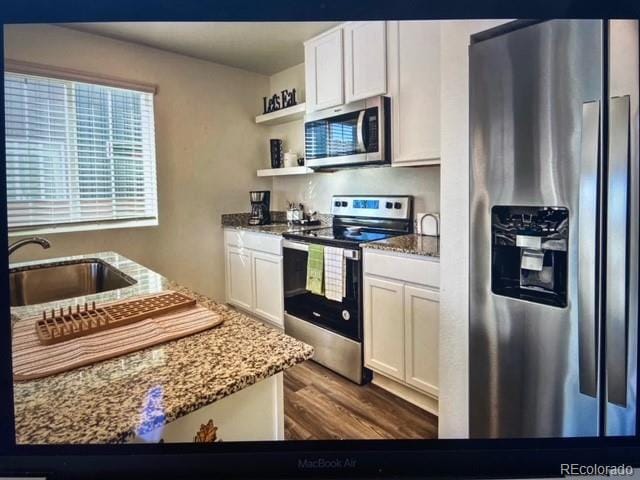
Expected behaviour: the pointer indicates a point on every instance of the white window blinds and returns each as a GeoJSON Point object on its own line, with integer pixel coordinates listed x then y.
{"type": "Point", "coordinates": [77, 153]}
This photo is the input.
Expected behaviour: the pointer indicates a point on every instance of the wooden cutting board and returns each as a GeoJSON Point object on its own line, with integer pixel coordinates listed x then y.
{"type": "Point", "coordinates": [33, 360]}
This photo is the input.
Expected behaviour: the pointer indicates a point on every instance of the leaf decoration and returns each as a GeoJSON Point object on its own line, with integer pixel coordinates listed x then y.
{"type": "Point", "coordinates": [207, 433]}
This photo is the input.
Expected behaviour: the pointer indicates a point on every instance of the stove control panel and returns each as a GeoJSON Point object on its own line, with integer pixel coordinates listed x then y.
{"type": "Point", "coordinates": [392, 207]}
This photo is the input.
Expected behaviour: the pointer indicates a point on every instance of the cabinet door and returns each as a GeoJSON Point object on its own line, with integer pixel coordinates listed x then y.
{"type": "Point", "coordinates": [268, 287]}
{"type": "Point", "coordinates": [422, 316]}
{"type": "Point", "coordinates": [239, 274]}
{"type": "Point", "coordinates": [323, 71]}
{"type": "Point", "coordinates": [384, 326]}
{"type": "Point", "coordinates": [365, 60]}
{"type": "Point", "coordinates": [414, 87]}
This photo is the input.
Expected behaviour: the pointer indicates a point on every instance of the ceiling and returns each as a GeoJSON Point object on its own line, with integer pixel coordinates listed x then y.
{"type": "Point", "coordinates": [262, 47]}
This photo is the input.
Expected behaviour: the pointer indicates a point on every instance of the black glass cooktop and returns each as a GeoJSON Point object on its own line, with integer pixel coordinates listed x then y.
{"type": "Point", "coordinates": [343, 236]}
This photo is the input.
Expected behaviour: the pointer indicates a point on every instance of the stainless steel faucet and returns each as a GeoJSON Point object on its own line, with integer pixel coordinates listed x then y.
{"type": "Point", "coordinates": [43, 242]}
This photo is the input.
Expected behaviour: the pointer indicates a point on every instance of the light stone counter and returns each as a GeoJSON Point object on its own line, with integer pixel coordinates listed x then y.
{"type": "Point", "coordinates": [117, 400]}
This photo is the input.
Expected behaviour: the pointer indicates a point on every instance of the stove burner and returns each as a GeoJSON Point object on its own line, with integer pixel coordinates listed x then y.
{"type": "Point", "coordinates": [346, 236]}
{"type": "Point", "coordinates": [360, 219]}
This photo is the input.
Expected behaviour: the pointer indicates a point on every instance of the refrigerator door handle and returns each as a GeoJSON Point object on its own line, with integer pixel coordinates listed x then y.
{"type": "Point", "coordinates": [587, 235]}
{"type": "Point", "coordinates": [616, 310]}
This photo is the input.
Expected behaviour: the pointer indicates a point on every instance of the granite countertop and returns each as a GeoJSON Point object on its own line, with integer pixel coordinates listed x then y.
{"type": "Point", "coordinates": [272, 229]}
{"type": "Point", "coordinates": [278, 227]}
{"type": "Point", "coordinates": [112, 401]}
{"type": "Point", "coordinates": [412, 243]}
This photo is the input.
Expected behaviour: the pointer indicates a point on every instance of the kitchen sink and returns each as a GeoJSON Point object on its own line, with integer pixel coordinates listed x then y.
{"type": "Point", "coordinates": [74, 278]}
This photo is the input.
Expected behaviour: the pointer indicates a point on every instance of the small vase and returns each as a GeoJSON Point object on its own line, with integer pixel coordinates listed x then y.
{"type": "Point", "coordinates": [276, 152]}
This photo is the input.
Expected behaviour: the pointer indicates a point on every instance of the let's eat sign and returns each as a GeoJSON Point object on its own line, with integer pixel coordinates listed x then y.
{"type": "Point", "coordinates": [276, 102]}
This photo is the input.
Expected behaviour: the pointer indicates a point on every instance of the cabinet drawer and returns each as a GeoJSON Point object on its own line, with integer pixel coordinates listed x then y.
{"type": "Point", "coordinates": [261, 242]}
{"type": "Point", "coordinates": [423, 271]}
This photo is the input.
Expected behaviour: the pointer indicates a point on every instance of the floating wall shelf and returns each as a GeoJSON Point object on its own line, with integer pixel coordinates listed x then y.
{"type": "Point", "coordinates": [277, 172]}
{"type": "Point", "coordinates": [284, 115]}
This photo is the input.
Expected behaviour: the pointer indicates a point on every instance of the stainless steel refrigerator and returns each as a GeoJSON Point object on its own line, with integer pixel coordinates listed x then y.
{"type": "Point", "coordinates": [554, 214]}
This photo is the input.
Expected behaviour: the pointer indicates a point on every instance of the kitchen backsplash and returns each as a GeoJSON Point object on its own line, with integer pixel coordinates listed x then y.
{"type": "Point", "coordinates": [315, 190]}
{"type": "Point", "coordinates": [242, 219]}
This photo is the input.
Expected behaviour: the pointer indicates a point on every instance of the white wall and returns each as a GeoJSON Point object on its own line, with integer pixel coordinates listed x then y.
{"type": "Point", "coordinates": [291, 133]}
{"type": "Point", "coordinates": [453, 421]}
{"type": "Point", "coordinates": [290, 78]}
{"type": "Point", "coordinates": [315, 190]}
{"type": "Point", "coordinates": [208, 148]}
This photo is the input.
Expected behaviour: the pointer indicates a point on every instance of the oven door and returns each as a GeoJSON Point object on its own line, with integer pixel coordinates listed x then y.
{"type": "Point", "coordinates": [352, 134]}
{"type": "Point", "coordinates": [340, 317]}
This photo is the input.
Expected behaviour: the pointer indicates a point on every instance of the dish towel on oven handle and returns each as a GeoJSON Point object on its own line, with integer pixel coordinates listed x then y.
{"type": "Point", "coordinates": [335, 272]}
{"type": "Point", "coordinates": [315, 269]}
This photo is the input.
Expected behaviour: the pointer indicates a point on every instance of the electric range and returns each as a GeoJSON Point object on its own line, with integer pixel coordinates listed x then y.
{"type": "Point", "coordinates": [335, 328]}
{"type": "Point", "coordinates": [349, 237]}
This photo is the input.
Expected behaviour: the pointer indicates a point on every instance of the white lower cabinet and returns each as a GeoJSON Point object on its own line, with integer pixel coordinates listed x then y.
{"type": "Point", "coordinates": [384, 326]}
{"type": "Point", "coordinates": [421, 317]}
{"type": "Point", "coordinates": [267, 285]}
{"type": "Point", "coordinates": [254, 274]}
{"type": "Point", "coordinates": [239, 284]}
{"type": "Point", "coordinates": [401, 319]}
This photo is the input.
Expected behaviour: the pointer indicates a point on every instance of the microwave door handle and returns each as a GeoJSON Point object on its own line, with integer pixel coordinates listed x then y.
{"type": "Point", "coordinates": [617, 268]}
{"type": "Point", "coordinates": [360, 132]}
{"type": "Point", "coordinates": [586, 235]}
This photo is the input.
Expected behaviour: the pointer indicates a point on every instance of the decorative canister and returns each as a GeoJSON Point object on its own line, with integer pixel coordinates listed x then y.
{"type": "Point", "coordinates": [276, 152]}
{"type": "Point", "coordinates": [290, 159]}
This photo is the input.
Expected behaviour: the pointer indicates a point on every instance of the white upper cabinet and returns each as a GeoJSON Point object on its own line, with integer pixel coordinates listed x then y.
{"type": "Point", "coordinates": [365, 60]}
{"type": "Point", "coordinates": [413, 56]}
{"type": "Point", "coordinates": [400, 59]}
{"type": "Point", "coordinates": [323, 62]}
{"type": "Point", "coordinates": [345, 64]}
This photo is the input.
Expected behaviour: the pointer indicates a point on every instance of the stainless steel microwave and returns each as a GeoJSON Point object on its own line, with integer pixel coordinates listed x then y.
{"type": "Point", "coordinates": [348, 136]}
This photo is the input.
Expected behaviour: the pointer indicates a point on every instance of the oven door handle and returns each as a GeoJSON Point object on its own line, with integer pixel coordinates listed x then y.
{"type": "Point", "coordinates": [304, 247]}
{"type": "Point", "coordinates": [295, 245]}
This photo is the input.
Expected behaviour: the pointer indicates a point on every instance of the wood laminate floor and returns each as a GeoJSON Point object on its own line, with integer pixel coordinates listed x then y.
{"type": "Point", "coordinates": [321, 405]}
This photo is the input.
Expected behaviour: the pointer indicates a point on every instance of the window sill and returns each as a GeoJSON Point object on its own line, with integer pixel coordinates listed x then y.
{"type": "Point", "coordinates": [84, 227]}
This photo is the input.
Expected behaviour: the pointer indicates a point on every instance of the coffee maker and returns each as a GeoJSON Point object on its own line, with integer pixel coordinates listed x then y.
{"type": "Point", "coordinates": [260, 214]}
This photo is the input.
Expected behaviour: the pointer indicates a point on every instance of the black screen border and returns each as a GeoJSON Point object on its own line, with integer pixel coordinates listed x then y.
{"type": "Point", "coordinates": [536, 457]}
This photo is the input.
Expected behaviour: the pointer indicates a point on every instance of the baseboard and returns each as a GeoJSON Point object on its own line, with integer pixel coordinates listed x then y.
{"type": "Point", "coordinates": [422, 400]}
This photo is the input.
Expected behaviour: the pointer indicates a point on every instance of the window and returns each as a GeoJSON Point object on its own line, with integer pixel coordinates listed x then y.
{"type": "Point", "coordinates": [78, 154]}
